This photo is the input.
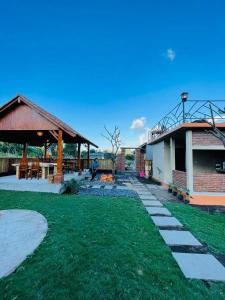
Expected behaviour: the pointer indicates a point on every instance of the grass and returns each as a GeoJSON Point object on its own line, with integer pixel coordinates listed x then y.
{"type": "Point", "coordinates": [97, 248]}
{"type": "Point", "coordinates": [207, 227]}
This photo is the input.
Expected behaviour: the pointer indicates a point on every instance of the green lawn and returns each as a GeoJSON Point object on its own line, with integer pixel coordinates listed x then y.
{"type": "Point", "coordinates": [98, 248]}
{"type": "Point", "coordinates": [207, 227]}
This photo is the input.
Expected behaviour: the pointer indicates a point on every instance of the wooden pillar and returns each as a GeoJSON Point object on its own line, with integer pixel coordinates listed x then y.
{"type": "Point", "coordinates": [88, 156]}
{"type": "Point", "coordinates": [25, 150]}
{"type": "Point", "coordinates": [59, 178]}
{"type": "Point", "coordinates": [45, 154]}
{"type": "Point", "coordinates": [78, 158]}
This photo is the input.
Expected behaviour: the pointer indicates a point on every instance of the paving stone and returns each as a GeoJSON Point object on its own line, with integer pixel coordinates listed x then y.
{"type": "Point", "coordinates": [166, 221]}
{"type": "Point", "coordinates": [179, 238]}
{"type": "Point", "coordinates": [108, 187]}
{"type": "Point", "coordinates": [200, 266]}
{"type": "Point", "coordinates": [151, 203]}
{"type": "Point", "coordinates": [144, 193]}
{"type": "Point", "coordinates": [21, 232]}
{"type": "Point", "coordinates": [158, 211]}
{"type": "Point", "coordinates": [147, 197]}
{"type": "Point", "coordinates": [121, 187]}
{"type": "Point", "coordinates": [96, 186]}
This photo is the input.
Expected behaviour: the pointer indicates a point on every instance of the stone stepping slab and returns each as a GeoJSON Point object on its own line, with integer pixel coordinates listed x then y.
{"type": "Point", "coordinates": [141, 190]}
{"type": "Point", "coordinates": [95, 186]}
{"type": "Point", "coordinates": [108, 187]}
{"type": "Point", "coordinates": [151, 203]}
{"type": "Point", "coordinates": [200, 266]}
{"type": "Point", "coordinates": [144, 193]}
{"type": "Point", "coordinates": [147, 197]}
{"type": "Point", "coordinates": [121, 187]}
{"type": "Point", "coordinates": [158, 211]}
{"type": "Point", "coordinates": [179, 238]}
{"type": "Point", "coordinates": [166, 222]}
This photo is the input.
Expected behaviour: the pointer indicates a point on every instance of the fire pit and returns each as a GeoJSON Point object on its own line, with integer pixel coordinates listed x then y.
{"type": "Point", "coordinates": [106, 178]}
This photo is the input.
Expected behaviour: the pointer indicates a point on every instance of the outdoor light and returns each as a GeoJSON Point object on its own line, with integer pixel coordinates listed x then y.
{"type": "Point", "coordinates": [40, 133]}
{"type": "Point", "coordinates": [184, 96]}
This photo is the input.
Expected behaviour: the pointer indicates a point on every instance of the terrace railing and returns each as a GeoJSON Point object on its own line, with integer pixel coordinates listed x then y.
{"type": "Point", "coordinates": [201, 111]}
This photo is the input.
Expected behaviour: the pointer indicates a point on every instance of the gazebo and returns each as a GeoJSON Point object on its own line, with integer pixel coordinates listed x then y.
{"type": "Point", "coordinates": [23, 122]}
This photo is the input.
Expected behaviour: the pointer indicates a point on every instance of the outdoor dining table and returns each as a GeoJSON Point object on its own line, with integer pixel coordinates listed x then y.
{"type": "Point", "coordinates": [44, 167]}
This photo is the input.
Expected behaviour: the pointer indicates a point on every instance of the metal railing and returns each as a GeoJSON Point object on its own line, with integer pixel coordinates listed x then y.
{"type": "Point", "coordinates": [196, 111]}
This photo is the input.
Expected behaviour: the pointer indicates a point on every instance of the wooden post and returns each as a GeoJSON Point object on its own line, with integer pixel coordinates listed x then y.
{"type": "Point", "coordinates": [78, 158]}
{"type": "Point", "coordinates": [59, 178]}
{"type": "Point", "coordinates": [88, 156]}
{"type": "Point", "coordinates": [24, 150]}
{"type": "Point", "coordinates": [45, 154]}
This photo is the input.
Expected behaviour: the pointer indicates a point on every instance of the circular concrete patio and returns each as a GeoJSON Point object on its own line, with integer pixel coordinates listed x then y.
{"type": "Point", "coordinates": [21, 232]}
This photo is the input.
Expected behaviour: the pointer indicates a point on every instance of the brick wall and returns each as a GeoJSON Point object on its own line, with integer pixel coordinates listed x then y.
{"type": "Point", "coordinates": [120, 161]}
{"type": "Point", "coordinates": [205, 138]}
{"type": "Point", "coordinates": [207, 182]}
{"type": "Point", "coordinates": [139, 159]}
{"type": "Point", "coordinates": [179, 179]}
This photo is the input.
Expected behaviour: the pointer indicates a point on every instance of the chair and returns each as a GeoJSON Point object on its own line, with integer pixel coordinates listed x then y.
{"type": "Point", "coordinates": [35, 168]}
{"type": "Point", "coordinates": [23, 168]}
{"type": "Point", "coordinates": [68, 166]}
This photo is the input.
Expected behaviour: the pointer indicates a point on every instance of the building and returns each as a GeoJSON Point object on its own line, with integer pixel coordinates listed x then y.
{"type": "Point", "coordinates": [191, 155]}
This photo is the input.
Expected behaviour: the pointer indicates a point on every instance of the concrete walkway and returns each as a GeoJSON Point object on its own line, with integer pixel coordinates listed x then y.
{"type": "Point", "coordinates": [193, 265]}
{"type": "Point", "coordinates": [21, 232]}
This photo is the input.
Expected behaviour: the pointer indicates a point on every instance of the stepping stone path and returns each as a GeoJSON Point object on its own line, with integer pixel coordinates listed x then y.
{"type": "Point", "coordinates": [162, 211]}
{"type": "Point", "coordinates": [152, 203]}
{"type": "Point", "coordinates": [200, 266]}
{"type": "Point", "coordinates": [147, 197]}
{"type": "Point", "coordinates": [193, 265]}
{"type": "Point", "coordinates": [179, 238]}
{"type": "Point", "coordinates": [166, 222]}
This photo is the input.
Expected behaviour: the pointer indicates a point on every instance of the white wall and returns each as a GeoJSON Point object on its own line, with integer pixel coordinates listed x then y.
{"type": "Point", "coordinates": [162, 166]}
{"type": "Point", "coordinates": [158, 160]}
{"type": "Point", "coordinates": [167, 164]}
{"type": "Point", "coordinates": [149, 152]}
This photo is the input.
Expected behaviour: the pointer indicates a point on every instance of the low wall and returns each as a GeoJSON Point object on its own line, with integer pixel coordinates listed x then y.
{"type": "Point", "coordinates": [7, 168]}
{"type": "Point", "coordinates": [180, 179]}
{"type": "Point", "coordinates": [208, 182]}
{"type": "Point", "coordinates": [6, 165]}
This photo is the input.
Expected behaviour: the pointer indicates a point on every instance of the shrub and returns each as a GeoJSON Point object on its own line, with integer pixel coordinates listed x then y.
{"type": "Point", "coordinates": [70, 187]}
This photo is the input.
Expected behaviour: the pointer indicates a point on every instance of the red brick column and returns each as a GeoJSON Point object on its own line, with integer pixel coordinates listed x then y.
{"type": "Point", "coordinates": [120, 161]}
{"type": "Point", "coordinates": [139, 159]}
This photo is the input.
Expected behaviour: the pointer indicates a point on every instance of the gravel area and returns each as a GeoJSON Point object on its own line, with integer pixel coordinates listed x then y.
{"type": "Point", "coordinates": [105, 192]}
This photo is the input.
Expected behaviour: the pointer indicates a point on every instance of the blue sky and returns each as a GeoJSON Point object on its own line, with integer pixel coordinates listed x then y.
{"type": "Point", "coordinates": [96, 63]}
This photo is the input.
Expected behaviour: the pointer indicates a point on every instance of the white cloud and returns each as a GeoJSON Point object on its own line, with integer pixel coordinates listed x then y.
{"type": "Point", "coordinates": [170, 54]}
{"type": "Point", "coordinates": [143, 138]}
{"type": "Point", "coordinates": [138, 123]}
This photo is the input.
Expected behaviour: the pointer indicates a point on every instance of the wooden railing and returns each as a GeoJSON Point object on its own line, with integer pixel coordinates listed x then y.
{"type": "Point", "coordinates": [7, 168]}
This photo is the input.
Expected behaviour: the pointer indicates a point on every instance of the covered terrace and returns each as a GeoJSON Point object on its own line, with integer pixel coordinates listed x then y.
{"type": "Point", "coordinates": [23, 122]}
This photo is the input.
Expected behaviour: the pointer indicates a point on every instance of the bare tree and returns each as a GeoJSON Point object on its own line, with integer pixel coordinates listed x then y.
{"type": "Point", "coordinates": [114, 139]}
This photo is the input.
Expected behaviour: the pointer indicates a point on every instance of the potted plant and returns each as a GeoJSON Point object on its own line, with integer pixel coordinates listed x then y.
{"type": "Point", "coordinates": [180, 194]}
{"type": "Point", "coordinates": [174, 190]}
{"type": "Point", "coordinates": [187, 197]}
{"type": "Point", "coordinates": [170, 188]}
